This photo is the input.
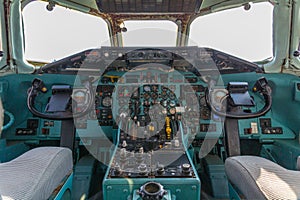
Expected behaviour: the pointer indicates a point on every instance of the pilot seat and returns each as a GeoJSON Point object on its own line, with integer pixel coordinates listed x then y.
{"type": "Point", "coordinates": [258, 178]}
{"type": "Point", "coordinates": [35, 174]}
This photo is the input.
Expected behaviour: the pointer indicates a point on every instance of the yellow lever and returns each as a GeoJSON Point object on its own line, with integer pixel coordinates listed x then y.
{"type": "Point", "coordinates": [168, 128]}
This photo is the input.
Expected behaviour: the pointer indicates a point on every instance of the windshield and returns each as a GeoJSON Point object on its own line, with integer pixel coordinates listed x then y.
{"type": "Point", "coordinates": [150, 33]}
{"type": "Point", "coordinates": [244, 33]}
{"type": "Point", "coordinates": [50, 36]}
{"type": "Point", "coordinates": [53, 35]}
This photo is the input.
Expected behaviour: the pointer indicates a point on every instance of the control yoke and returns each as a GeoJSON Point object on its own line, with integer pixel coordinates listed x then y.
{"type": "Point", "coordinates": [238, 96]}
{"type": "Point", "coordinates": [59, 106]}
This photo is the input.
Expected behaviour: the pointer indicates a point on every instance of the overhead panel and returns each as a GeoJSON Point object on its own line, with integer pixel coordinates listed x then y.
{"type": "Point", "coordinates": [149, 6]}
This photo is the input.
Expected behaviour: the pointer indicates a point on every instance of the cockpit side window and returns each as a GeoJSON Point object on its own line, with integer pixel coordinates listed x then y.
{"type": "Point", "coordinates": [1, 41]}
{"type": "Point", "coordinates": [244, 33]}
{"type": "Point", "coordinates": [52, 35]}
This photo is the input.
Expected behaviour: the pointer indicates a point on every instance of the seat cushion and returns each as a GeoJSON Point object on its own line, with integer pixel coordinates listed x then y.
{"type": "Point", "coordinates": [35, 174]}
{"type": "Point", "coordinates": [259, 178]}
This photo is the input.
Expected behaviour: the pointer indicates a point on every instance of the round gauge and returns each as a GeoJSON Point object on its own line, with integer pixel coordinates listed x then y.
{"type": "Point", "coordinates": [146, 95]}
{"type": "Point", "coordinates": [106, 101]}
{"type": "Point", "coordinates": [154, 88]}
{"type": "Point", "coordinates": [165, 103]}
{"type": "Point", "coordinates": [147, 88]}
{"type": "Point", "coordinates": [154, 95]}
{"type": "Point", "coordinates": [172, 111]}
{"type": "Point", "coordinates": [172, 95]}
{"type": "Point", "coordinates": [172, 104]}
{"type": "Point", "coordinates": [79, 96]}
{"type": "Point", "coordinates": [164, 94]}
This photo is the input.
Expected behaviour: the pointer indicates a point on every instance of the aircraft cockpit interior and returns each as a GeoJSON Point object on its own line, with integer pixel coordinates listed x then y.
{"type": "Point", "coordinates": [149, 122]}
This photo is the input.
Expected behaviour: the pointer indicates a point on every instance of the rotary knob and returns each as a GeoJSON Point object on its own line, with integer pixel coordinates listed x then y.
{"type": "Point", "coordinates": [142, 169]}
{"type": "Point", "coordinates": [185, 168]}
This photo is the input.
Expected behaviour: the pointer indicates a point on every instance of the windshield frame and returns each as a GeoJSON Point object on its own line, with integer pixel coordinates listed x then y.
{"type": "Point", "coordinates": [281, 31]}
{"type": "Point", "coordinates": [3, 39]}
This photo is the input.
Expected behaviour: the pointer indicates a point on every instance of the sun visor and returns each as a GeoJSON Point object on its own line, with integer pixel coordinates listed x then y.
{"type": "Point", "coordinates": [149, 6]}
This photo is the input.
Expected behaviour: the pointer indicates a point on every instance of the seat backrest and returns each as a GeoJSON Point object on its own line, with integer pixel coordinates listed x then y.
{"type": "Point", "coordinates": [259, 178]}
{"type": "Point", "coordinates": [35, 174]}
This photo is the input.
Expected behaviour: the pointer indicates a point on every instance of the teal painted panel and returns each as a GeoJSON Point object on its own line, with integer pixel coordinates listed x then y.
{"type": "Point", "coordinates": [16, 85]}
{"type": "Point", "coordinates": [285, 110]}
{"type": "Point", "coordinates": [180, 187]}
{"type": "Point", "coordinates": [167, 196]}
{"type": "Point", "coordinates": [284, 152]}
{"type": "Point", "coordinates": [8, 153]}
{"type": "Point", "coordinates": [297, 91]}
{"type": "Point", "coordinates": [67, 187]}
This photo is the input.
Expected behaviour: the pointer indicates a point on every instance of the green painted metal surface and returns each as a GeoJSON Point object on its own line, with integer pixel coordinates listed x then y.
{"type": "Point", "coordinates": [283, 152]}
{"type": "Point", "coordinates": [281, 148]}
{"type": "Point", "coordinates": [181, 187]}
{"type": "Point", "coordinates": [285, 98]}
{"type": "Point", "coordinates": [122, 188]}
{"type": "Point", "coordinates": [7, 153]}
{"type": "Point", "coordinates": [66, 190]}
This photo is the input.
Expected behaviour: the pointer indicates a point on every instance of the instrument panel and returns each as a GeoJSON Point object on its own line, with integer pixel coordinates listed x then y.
{"type": "Point", "coordinates": [147, 98]}
{"type": "Point", "coordinates": [147, 85]}
{"type": "Point", "coordinates": [150, 111]}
